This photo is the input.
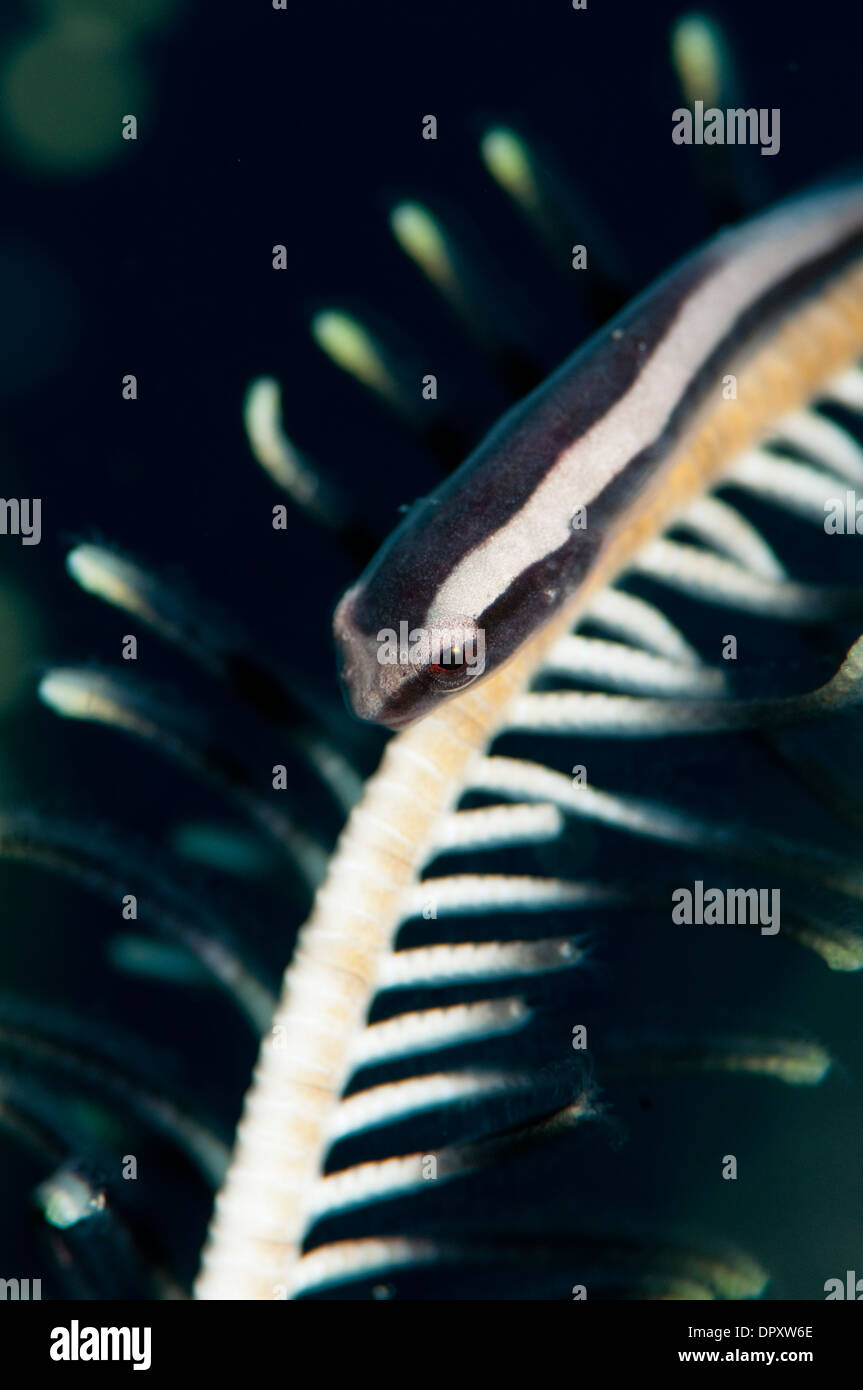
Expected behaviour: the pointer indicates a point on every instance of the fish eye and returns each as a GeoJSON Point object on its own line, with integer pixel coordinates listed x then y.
{"type": "Point", "coordinates": [454, 654]}
{"type": "Point", "coordinates": [452, 675]}
{"type": "Point", "coordinates": [454, 659]}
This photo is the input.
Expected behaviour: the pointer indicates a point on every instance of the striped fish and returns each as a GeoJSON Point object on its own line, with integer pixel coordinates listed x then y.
{"type": "Point", "coordinates": [598, 459]}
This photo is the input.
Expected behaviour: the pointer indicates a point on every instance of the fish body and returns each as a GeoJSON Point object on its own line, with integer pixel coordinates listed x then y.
{"type": "Point", "coordinates": [492, 555]}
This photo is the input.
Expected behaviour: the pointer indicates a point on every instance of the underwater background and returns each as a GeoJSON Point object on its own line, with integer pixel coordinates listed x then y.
{"type": "Point", "coordinates": [154, 257]}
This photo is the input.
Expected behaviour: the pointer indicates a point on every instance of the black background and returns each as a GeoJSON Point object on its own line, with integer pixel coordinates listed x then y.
{"type": "Point", "coordinates": [303, 127]}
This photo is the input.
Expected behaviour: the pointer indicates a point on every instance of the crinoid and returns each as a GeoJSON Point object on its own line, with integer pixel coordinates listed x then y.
{"type": "Point", "coordinates": [504, 1061]}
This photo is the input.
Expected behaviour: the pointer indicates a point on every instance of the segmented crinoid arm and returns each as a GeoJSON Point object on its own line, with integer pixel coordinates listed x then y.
{"type": "Point", "coordinates": [347, 951]}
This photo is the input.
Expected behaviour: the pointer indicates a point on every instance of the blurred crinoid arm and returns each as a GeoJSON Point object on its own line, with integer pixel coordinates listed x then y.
{"type": "Point", "coordinates": [348, 951]}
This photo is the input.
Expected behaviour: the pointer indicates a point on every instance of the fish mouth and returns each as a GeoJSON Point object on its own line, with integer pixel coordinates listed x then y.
{"type": "Point", "coordinates": [361, 676]}
{"type": "Point", "coordinates": [352, 662]}
{"type": "Point", "coordinates": [377, 693]}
